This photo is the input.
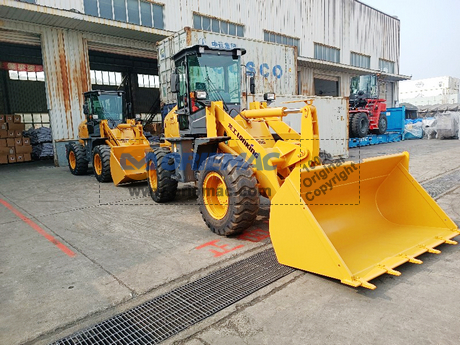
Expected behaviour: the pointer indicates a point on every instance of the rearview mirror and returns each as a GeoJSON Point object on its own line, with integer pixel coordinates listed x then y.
{"type": "Point", "coordinates": [252, 85]}
{"type": "Point", "coordinates": [85, 109]}
{"type": "Point", "coordinates": [175, 83]}
{"type": "Point", "coordinates": [269, 97]}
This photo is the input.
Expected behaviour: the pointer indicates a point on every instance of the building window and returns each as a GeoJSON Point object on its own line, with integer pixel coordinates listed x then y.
{"type": "Point", "coordinates": [26, 76]}
{"type": "Point", "coordinates": [148, 81]}
{"type": "Point", "coordinates": [29, 1]}
{"type": "Point", "coordinates": [281, 39]}
{"type": "Point", "coordinates": [387, 66]}
{"type": "Point", "coordinates": [106, 78]}
{"type": "Point", "coordinates": [91, 8]}
{"type": "Point", "coordinates": [106, 9]}
{"type": "Point", "coordinates": [360, 60]}
{"type": "Point", "coordinates": [326, 53]}
{"type": "Point", "coordinates": [146, 14]}
{"type": "Point", "coordinates": [158, 20]}
{"type": "Point", "coordinates": [119, 10]}
{"type": "Point", "coordinates": [138, 12]}
{"type": "Point", "coordinates": [201, 22]}
{"type": "Point", "coordinates": [133, 11]}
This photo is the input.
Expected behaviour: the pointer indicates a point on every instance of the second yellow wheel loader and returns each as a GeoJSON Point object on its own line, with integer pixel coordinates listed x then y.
{"type": "Point", "coordinates": [115, 145]}
{"type": "Point", "coordinates": [351, 222]}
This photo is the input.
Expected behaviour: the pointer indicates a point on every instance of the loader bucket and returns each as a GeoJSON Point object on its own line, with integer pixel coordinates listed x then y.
{"type": "Point", "coordinates": [127, 163]}
{"type": "Point", "coordinates": [355, 222]}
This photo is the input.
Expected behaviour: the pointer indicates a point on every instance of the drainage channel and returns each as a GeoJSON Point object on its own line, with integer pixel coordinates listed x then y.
{"type": "Point", "coordinates": [175, 311]}
{"type": "Point", "coordinates": [442, 184]}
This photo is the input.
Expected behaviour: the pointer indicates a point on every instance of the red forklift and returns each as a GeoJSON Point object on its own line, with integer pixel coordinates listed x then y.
{"type": "Point", "coordinates": [367, 110]}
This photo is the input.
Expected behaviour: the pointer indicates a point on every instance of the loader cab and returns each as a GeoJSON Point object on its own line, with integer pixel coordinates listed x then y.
{"type": "Point", "coordinates": [362, 88]}
{"type": "Point", "coordinates": [103, 105]}
{"type": "Point", "coordinates": [204, 75]}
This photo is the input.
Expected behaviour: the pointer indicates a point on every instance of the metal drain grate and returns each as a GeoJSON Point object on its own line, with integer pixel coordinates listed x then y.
{"type": "Point", "coordinates": [171, 313]}
{"type": "Point", "coordinates": [442, 184]}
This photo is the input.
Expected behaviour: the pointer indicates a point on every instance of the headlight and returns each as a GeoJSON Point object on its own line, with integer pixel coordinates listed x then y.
{"type": "Point", "coordinates": [201, 95]}
{"type": "Point", "coordinates": [269, 97]}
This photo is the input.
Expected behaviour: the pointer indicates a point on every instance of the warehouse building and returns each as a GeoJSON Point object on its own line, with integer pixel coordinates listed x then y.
{"type": "Point", "coordinates": [51, 51]}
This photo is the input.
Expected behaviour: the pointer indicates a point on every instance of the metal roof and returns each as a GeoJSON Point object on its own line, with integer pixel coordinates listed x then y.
{"type": "Point", "coordinates": [25, 12]}
{"type": "Point", "coordinates": [338, 67]}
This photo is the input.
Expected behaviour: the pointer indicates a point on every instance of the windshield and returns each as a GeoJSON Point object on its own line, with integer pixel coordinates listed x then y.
{"type": "Point", "coordinates": [218, 75]}
{"type": "Point", "coordinates": [365, 83]}
{"type": "Point", "coordinates": [108, 106]}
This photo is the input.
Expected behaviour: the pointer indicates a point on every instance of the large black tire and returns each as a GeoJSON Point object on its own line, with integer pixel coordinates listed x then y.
{"type": "Point", "coordinates": [243, 195]}
{"type": "Point", "coordinates": [360, 125]}
{"type": "Point", "coordinates": [102, 169]}
{"type": "Point", "coordinates": [162, 185]}
{"type": "Point", "coordinates": [78, 163]}
{"type": "Point", "coordinates": [350, 125]}
{"type": "Point", "coordinates": [383, 125]}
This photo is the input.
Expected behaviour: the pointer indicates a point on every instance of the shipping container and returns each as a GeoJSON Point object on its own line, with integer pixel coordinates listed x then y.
{"type": "Point", "coordinates": [332, 121]}
{"type": "Point", "coordinates": [274, 65]}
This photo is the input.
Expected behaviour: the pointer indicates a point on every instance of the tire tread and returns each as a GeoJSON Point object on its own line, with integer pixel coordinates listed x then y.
{"type": "Point", "coordinates": [81, 166]}
{"type": "Point", "coordinates": [245, 206]}
{"type": "Point", "coordinates": [167, 186]}
{"type": "Point", "coordinates": [104, 152]}
{"type": "Point", "coordinates": [355, 128]}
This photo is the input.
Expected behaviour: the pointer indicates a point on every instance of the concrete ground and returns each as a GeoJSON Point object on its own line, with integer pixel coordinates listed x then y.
{"type": "Point", "coordinates": [74, 252]}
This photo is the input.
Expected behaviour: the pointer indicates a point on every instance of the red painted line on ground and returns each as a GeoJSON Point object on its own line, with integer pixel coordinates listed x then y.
{"type": "Point", "coordinates": [212, 243]}
{"type": "Point", "coordinates": [255, 235]}
{"type": "Point", "coordinates": [38, 229]}
{"type": "Point", "coordinates": [222, 249]}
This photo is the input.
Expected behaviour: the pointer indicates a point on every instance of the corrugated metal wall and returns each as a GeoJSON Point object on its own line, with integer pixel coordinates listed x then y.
{"type": "Point", "coordinates": [374, 33]}
{"type": "Point", "coordinates": [63, 4]}
{"type": "Point", "coordinates": [345, 24]}
{"type": "Point", "coordinates": [66, 65]}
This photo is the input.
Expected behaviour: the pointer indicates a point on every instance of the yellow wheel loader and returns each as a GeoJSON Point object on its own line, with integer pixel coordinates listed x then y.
{"type": "Point", "coordinates": [115, 145]}
{"type": "Point", "coordinates": [351, 222]}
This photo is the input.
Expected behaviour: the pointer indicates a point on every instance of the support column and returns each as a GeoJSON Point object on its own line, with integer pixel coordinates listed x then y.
{"type": "Point", "coordinates": [67, 75]}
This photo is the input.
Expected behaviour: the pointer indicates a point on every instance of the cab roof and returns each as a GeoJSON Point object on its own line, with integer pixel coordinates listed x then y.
{"type": "Point", "coordinates": [107, 92]}
{"type": "Point", "coordinates": [203, 49]}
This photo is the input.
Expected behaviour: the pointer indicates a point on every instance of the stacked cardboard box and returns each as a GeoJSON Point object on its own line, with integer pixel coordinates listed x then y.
{"type": "Point", "coordinates": [14, 148]}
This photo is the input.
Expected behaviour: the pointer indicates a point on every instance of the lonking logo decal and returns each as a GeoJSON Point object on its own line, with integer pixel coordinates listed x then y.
{"type": "Point", "coordinates": [249, 146]}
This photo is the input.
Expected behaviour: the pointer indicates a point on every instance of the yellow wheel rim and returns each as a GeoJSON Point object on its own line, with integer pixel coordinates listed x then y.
{"type": "Point", "coordinates": [72, 160]}
{"type": "Point", "coordinates": [153, 180]}
{"type": "Point", "coordinates": [215, 195]}
{"type": "Point", "coordinates": [97, 164]}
